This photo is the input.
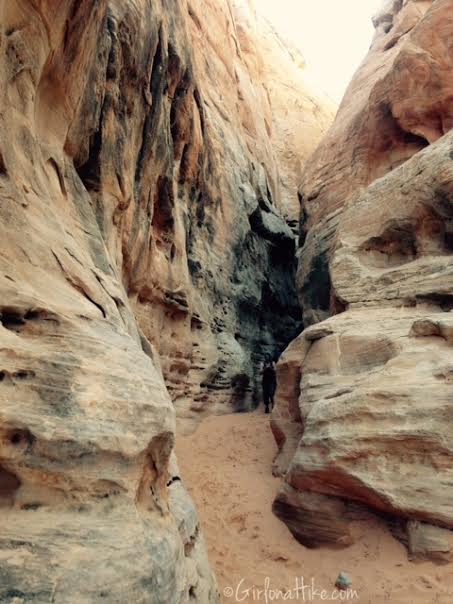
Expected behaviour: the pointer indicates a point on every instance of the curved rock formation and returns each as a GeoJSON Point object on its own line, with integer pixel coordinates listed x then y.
{"type": "Point", "coordinates": [398, 103]}
{"type": "Point", "coordinates": [374, 378]}
{"type": "Point", "coordinates": [86, 425]}
{"type": "Point", "coordinates": [142, 212]}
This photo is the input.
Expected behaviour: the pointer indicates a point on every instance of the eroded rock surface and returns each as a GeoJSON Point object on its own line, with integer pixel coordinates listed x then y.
{"type": "Point", "coordinates": [375, 392]}
{"type": "Point", "coordinates": [144, 225]}
{"type": "Point", "coordinates": [398, 103]}
{"type": "Point", "coordinates": [86, 424]}
{"type": "Point", "coordinates": [246, 120]}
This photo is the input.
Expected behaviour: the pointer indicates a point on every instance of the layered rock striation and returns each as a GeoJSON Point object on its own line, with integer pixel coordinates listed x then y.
{"type": "Point", "coordinates": [222, 292]}
{"type": "Point", "coordinates": [372, 382]}
{"type": "Point", "coordinates": [146, 235]}
{"type": "Point", "coordinates": [398, 103]}
{"type": "Point", "coordinates": [185, 155]}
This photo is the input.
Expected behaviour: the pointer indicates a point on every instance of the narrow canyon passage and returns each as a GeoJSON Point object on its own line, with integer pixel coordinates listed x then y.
{"type": "Point", "coordinates": [226, 465]}
{"type": "Point", "coordinates": [178, 201]}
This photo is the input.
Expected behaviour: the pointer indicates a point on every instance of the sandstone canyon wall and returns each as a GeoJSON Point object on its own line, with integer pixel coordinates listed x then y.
{"type": "Point", "coordinates": [146, 227]}
{"type": "Point", "coordinates": [364, 414]}
{"type": "Point", "coordinates": [224, 293]}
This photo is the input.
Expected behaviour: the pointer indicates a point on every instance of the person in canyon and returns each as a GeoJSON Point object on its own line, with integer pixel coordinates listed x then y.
{"type": "Point", "coordinates": [269, 382]}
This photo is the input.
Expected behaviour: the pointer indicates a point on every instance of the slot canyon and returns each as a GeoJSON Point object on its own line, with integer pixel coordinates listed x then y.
{"type": "Point", "coordinates": [179, 201]}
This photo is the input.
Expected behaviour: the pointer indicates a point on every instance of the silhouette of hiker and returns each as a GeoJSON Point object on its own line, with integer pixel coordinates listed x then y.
{"type": "Point", "coordinates": [269, 382]}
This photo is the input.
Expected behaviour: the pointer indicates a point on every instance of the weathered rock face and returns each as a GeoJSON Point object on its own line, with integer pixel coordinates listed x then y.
{"type": "Point", "coordinates": [398, 103]}
{"type": "Point", "coordinates": [86, 424]}
{"type": "Point", "coordinates": [374, 379]}
{"type": "Point", "coordinates": [141, 213]}
{"type": "Point", "coordinates": [221, 293]}
{"type": "Point", "coordinates": [188, 169]}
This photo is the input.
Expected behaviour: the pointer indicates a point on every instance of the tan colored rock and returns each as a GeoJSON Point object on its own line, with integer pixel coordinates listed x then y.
{"type": "Point", "coordinates": [398, 103]}
{"type": "Point", "coordinates": [143, 236]}
{"type": "Point", "coordinates": [312, 518]}
{"type": "Point", "coordinates": [286, 421]}
{"type": "Point", "coordinates": [375, 389]}
{"type": "Point", "coordinates": [429, 542]}
{"type": "Point", "coordinates": [299, 115]}
{"type": "Point", "coordinates": [86, 424]}
{"type": "Point", "coordinates": [394, 243]}
{"type": "Point", "coordinates": [259, 120]}
{"type": "Point", "coordinates": [374, 402]}
{"type": "Point", "coordinates": [202, 190]}
{"type": "Point", "coordinates": [373, 431]}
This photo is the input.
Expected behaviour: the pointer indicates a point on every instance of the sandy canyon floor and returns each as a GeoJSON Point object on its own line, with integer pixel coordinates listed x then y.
{"type": "Point", "coordinates": [227, 467]}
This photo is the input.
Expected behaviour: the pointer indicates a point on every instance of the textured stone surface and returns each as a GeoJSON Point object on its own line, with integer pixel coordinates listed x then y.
{"type": "Point", "coordinates": [427, 541]}
{"type": "Point", "coordinates": [312, 518]}
{"type": "Point", "coordinates": [138, 180]}
{"type": "Point", "coordinates": [375, 408]}
{"type": "Point", "coordinates": [286, 420]}
{"type": "Point", "coordinates": [86, 424]}
{"type": "Point", "coordinates": [375, 392]}
{"type": "Point", "coordinates": [212, 280]}
{"type": "Point", "coordinates": [239, 290]}
{"type": "Point", "coordinates": [398, 103]}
